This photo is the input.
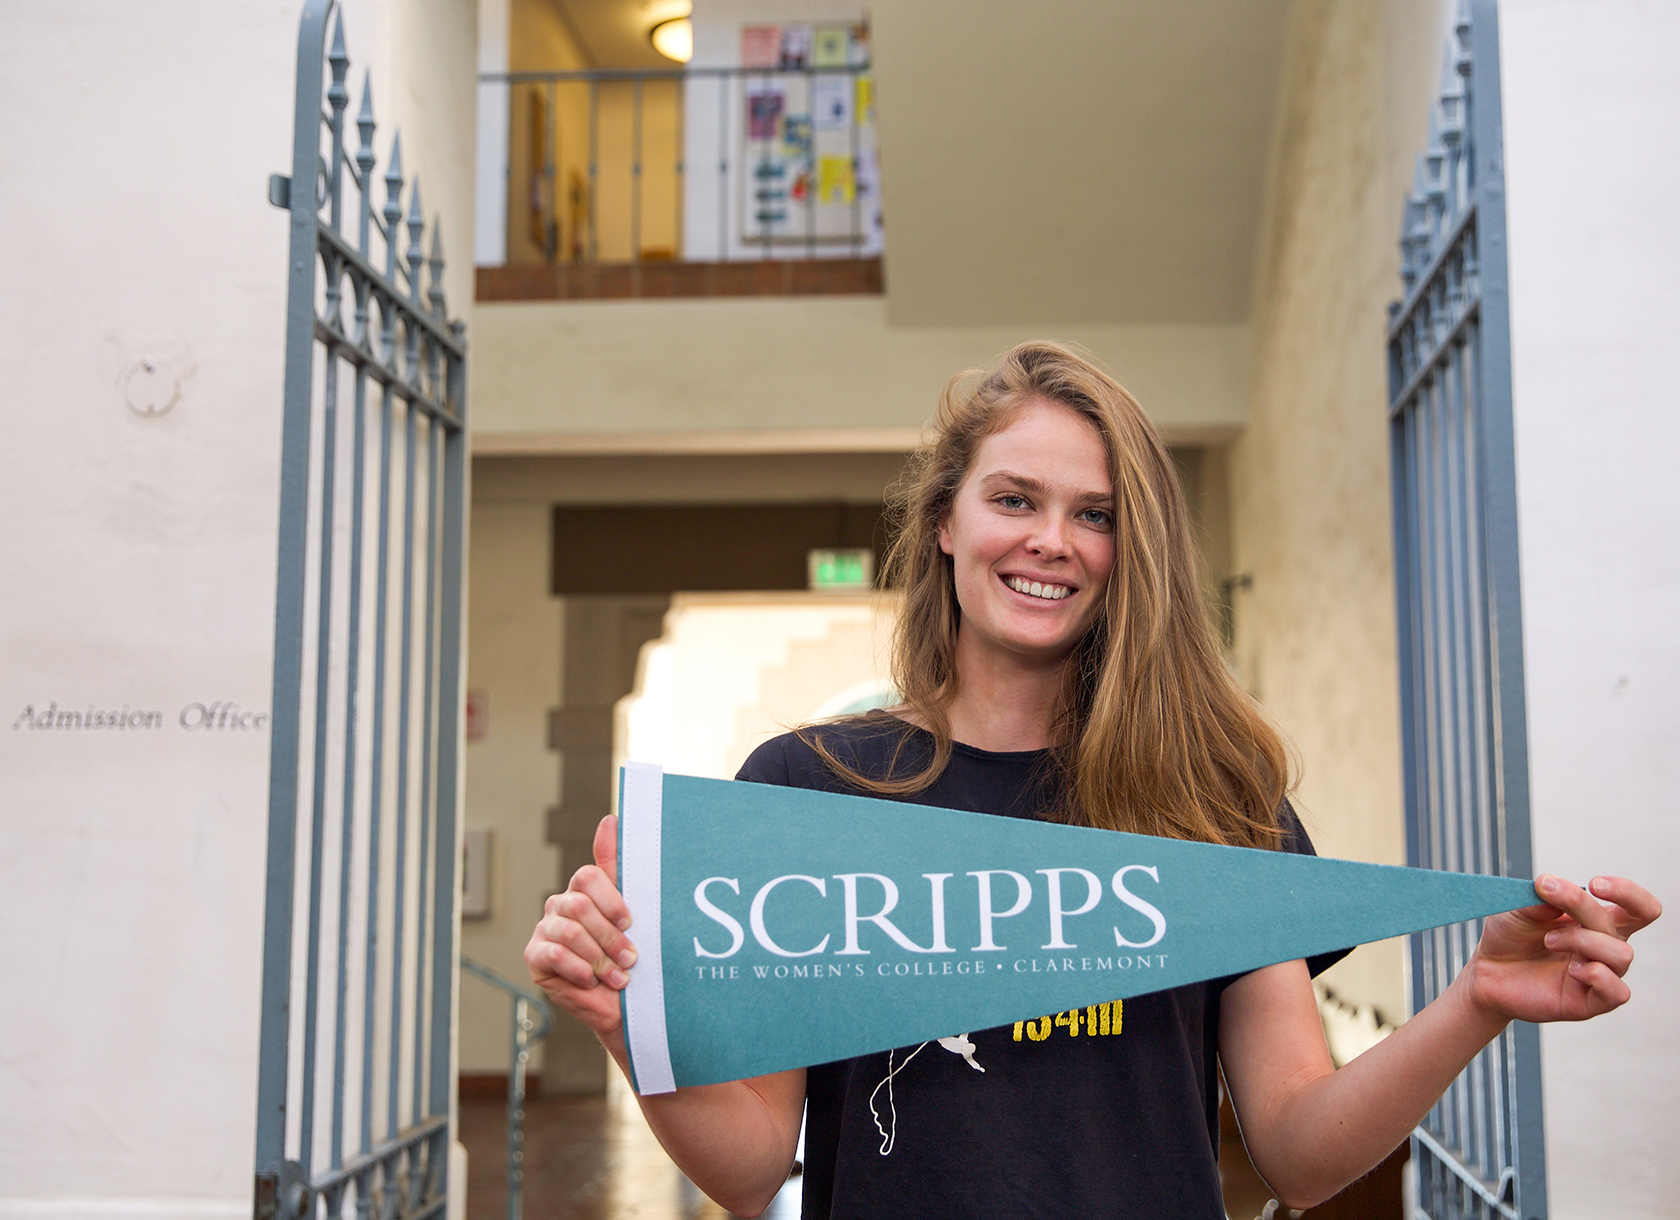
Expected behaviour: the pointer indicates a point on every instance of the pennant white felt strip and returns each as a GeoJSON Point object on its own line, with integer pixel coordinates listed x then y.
{"type": "Point", "coordinates": [640, 810]}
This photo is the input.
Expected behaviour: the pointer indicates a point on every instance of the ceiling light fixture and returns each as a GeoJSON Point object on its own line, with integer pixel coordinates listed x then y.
{"type": "Point", "coordinates": [674, 39]}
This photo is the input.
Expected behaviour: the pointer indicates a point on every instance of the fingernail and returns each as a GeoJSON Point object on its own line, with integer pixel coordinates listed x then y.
{"type": "Point", "coordinates": [617, 978]}
{"type": "Point", "coordinates": [624, 924]}
{"type": "Point", "coordinates": [1546, 883]}
{"type": "Point", "coordinates": [1551, 940]}
{"type": "Point", "coordinates": [1577, 967]}
{"type": "Point", "coordinates": [1598, 883]}
{"type": "Point", "coordinates": [627, 958]}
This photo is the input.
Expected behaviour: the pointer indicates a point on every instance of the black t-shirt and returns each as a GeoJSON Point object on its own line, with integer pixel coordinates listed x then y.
{"type": "Point", "coordinates": [1108, 1111]}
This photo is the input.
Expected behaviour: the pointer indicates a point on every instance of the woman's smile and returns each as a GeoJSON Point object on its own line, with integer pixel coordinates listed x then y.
{"type": "Point", "coordinates": [1034, 588]}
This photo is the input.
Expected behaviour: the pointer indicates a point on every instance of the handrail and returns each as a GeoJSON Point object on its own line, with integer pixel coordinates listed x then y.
{"type": "Point", "coordinates": [531, 1022]}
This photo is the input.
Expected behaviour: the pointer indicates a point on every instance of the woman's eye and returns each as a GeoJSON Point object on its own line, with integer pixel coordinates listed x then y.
{"type": "Point", "coordinates": [1011, 500]}
{"type": "Point", "coordinates": [1098, 516]}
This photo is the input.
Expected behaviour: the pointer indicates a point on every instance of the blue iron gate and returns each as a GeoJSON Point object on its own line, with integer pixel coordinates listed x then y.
{"type": "Point", "coordinates": [356, 1079]}
{"type": "Point", "coordinates": [1479, 1152]}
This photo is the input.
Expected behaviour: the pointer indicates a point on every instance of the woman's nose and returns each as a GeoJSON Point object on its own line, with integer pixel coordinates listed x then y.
{"type": "Point", "coordinates": [1050, 539]}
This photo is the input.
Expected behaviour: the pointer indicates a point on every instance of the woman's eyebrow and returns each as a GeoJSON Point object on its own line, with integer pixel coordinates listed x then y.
{"type": "Point", "coordinates": [1025, 482]}
{"type": "Point", "coordinates": [1038, 487]}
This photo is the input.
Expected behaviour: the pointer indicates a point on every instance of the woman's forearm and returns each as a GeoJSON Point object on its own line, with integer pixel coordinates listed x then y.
{"type": "Point", "coordinates": [735, 1141]}
{"type": "Point", "coordinates": [1336, 1127]}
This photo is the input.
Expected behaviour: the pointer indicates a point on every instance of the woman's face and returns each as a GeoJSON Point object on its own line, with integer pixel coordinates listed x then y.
{"type": "Point", "coordinates": [1030, 534]}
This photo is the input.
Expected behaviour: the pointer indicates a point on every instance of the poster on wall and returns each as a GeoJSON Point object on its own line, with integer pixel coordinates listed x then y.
{"type": "Point", "coordinates": [831, 102]}
{"type": "Point", "coordinates": [764, 113]}
{"type": "Point", "coordinates": [835, 180]}
{"type": "Point", "coordinates": [806, 144]}
{"type": "Point", "coordinates": [796, 46]}
{"type": "Point", "coordinates": [831, 47]}
{"type": "Point", "coordinates": [865, 99]}
{"type": "Point", "coordinates": [796, 135]}
{"type": "Point", "coordinates": [761, 46]}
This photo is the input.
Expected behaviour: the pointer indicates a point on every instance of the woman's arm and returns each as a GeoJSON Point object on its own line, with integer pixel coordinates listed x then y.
{"type": "Point", "coordinates": [1311, 1129]}
{"type": "Point", "coordinates": [735, 1141]}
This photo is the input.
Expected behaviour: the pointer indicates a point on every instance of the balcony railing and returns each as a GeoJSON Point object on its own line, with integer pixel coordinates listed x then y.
{"type": "Point", "coordinates": [608, 176]}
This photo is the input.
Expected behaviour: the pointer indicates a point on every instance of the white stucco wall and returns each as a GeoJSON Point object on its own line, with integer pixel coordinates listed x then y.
{"type": "Point", "coordinates": [139, 567]}
{"type": "Point", "coordinates": [1592, 108]}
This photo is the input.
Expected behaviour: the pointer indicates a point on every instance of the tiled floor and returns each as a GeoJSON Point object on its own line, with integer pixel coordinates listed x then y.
{"type": "Point", "coordinates": [586, 1158]}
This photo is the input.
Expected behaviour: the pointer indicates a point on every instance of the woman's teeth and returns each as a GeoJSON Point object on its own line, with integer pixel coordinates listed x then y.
{"type": "Point", "coordinates": [1033, 588]}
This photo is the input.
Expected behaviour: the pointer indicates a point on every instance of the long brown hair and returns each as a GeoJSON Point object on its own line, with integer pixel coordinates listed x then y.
{"type": "Point", "coordinates": [1153, 735]}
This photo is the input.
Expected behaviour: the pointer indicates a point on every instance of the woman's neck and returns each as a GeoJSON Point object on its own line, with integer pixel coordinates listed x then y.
{"type": "Point", "coordinates": [1004, 703]}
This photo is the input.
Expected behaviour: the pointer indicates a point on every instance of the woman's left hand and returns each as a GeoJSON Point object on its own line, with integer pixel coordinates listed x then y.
{"type": "Point", "coordinates": [1562, 961]}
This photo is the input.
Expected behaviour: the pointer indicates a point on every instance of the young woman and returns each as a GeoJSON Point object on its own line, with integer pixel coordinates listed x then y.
{"type": "Point", "coordinates": [1055, 662]}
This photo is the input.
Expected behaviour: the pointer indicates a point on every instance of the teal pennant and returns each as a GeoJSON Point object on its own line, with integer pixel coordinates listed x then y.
{"type": "Point", "coordinates": [781, 927]}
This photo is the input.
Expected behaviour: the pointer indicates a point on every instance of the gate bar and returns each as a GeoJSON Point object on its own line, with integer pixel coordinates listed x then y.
{"type": "Point", "coordinates": [281, 864]}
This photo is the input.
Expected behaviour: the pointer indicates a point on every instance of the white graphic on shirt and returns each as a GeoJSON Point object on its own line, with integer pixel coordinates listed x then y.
{"type": "Point", "coordinates": [961, 1044]}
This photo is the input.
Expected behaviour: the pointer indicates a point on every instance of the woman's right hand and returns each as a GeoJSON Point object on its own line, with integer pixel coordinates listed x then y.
{"type": "Point", "coordinates": [578, 953]}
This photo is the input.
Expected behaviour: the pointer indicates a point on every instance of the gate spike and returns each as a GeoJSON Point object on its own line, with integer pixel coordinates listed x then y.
{"type": "Point", "coordinates": [364, 165]}
{"type": "Point", "coordinates": [366, 125]}
{"type": "Point", "coordinates": [338, 55]}
{"type": "Point", "coordinates": [339, 58]}
{"type": "Point", "coordinates": [436, 264]}
{"type": "Point", "coordinates": [392, 211]}
{"type": "Point", "coordinates": [416, 227]}
{"type": "Point", "coordinates": [1462, 31]}
{"type": "Point", "coordinates": [1452, 116]}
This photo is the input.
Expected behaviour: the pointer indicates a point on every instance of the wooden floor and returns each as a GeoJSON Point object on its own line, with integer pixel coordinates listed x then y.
{"type": "Point", "coordinates": [593, 1158]}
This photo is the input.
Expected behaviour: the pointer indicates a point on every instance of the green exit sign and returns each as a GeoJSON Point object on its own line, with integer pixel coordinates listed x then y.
{"type": "Point", "coordinates": [840, 568]}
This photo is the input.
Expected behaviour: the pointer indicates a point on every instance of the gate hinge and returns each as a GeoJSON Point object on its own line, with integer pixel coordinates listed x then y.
{"type": "Point", "coordinates": [266, 1198]}
{"type": "Point", "coordinates": [280, 190]}
{"type": "Point", "coordinates": [284, 1195]}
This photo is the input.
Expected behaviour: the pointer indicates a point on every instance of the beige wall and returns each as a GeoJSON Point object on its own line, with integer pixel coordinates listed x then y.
{"type": "Point", "coordinates": [635, 375]}
{"type": "Point", "coordinates": [512, 777]}
{"type": "Point", "coordinates": [1309, 476]}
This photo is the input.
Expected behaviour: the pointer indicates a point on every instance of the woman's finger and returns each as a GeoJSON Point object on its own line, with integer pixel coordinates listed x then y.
{"type": "Point", "coordinates": [586, 940]}
{"type": "Point", "coordinates": [1608, 989]}
{"type": "Point", "coordinates": [550, 961]}
{"type": "Point", "coordinates": [584, 908]}
{"type": "Point", "coordinates": [1638, 905]}
{"type": "Point", "coordinates": [1588, 945]}
{"type": "Point", "coordinates": [594, 882]}
{"type": "Point", "coordinates": [1581, 906]}
{"type": "Point", "coordinates": [606, 847]}
{"type": "Point", "coordinates": [563, 962]}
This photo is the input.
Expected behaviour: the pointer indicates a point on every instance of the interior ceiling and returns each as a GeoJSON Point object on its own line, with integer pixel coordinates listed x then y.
{"type": "Point", "coordinates": [614, 33]}
{"type": "Point", "coordinates": [1073, 162]}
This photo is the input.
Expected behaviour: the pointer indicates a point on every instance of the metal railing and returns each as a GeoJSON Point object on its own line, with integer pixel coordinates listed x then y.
{"type": "Point", "coordinates": [531, 1021]}
{"type": "Point", "coordinates": [697, 165]}
{"type": "Point", "coordinates": [1479, 1153]}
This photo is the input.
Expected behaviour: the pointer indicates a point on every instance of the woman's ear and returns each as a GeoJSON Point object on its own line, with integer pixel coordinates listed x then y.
{"type": "Point", "coordinates": [945, 532]}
